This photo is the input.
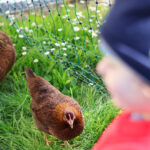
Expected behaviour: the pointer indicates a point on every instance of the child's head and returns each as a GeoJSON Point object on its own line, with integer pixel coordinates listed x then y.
{"type": "Point", "coordinates": [126, 40]}
{"type": "Point", "coordinates": [127, 88]}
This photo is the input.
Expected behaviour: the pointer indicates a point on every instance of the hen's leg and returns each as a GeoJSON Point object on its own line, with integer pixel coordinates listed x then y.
{"type": "Point", "coordinates": [67, 144]}
{"type": "Point", "coordinates": [46, 141]}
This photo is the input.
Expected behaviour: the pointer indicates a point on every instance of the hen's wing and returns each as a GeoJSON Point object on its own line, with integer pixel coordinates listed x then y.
{"type": "Point", "coordinates": [42, 113]}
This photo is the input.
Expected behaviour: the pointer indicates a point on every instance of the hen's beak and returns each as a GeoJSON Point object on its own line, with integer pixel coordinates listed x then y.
{"type": "Point", "coordinates": [70, 121]}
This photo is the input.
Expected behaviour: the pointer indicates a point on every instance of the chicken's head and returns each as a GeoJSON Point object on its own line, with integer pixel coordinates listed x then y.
{"type": "Point", "coordinates": [69, 117]}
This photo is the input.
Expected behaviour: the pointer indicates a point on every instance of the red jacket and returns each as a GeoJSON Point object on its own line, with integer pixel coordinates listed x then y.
{"type": "Point", "coordinates": [125, 134]}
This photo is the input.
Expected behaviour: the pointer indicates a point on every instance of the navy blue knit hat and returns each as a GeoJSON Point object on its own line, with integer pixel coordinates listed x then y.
{"type": "Point", "coordinates": [127, 32]}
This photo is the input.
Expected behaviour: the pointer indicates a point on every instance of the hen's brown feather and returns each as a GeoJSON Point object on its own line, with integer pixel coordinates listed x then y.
{"type": "Point", "coordinates": [7, 54]}
{"type": "Point", "coordinates": [48, 106]}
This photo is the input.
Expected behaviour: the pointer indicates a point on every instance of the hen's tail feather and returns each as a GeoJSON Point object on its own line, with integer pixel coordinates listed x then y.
{"type": "Point", "coordinates": [29, 72]}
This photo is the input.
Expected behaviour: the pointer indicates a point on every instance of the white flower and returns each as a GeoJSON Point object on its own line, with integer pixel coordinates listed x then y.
{"type": "Point", "coordinates": [71, 5]}
{"type": "Point", "coordinates": [82, 2]}
{"type": "Point", "coordinates": [97, 31]}
{"type": "Point", "coordinates": [7, 12]}
{"type": "Point", "coordinates": [98, 22]}
{"type": "Point", "coordinates": [46, 53]}
{"type": "Point", "coordinates": [79, 14]}
{"type": "Point", "coordinates": [98, 11]}
{"type": "Point", "coordinates": [1, 24]}
{"type": "Point", "coordinates": [90, 20]}
{"type": "Point", "coordinates": [65, 54]}
{"type": "Point", "coordinates": [60, 29]}
{"type": "Point", "coordinates": [74, 23]}
{"type": "Point", "coordinates": [30, 31]}
{"type": "Point", "coordinates": [76, 29]}
{"type": "Point", "coordinates": [27, 29]}
{"type": "Point", "coordinates": [63, 44]}
{"type": "Point", "coordinates": [33, 13]}
{"type": "Point", "coordinates": [24, 53]}
{"type": "Point", "coordinates": [65, 16]}
{"type": "Point", "coordinates": [90, 84]}
{"type": "Point", "coordinates": [44, 42]}
{"type": "Point", "coordinates": [29, 2]}
{"type": "Point", "coordinates": [12, 17]}
{"type": "Point", "coordinates": [52, 49]}
{"type": "Point", "coordinates": [84, 28]}
{"type": "Point", "coordinates": [62, 5]}
{"type": "Point", "coordinates": [93, 16]}
{"type": "Point", "coordinates": [69, 46]}
{"type": "Point", "coordinates": [76, 38]}
{"type": "Point", "coordinates": [94, 34]}
{"type": "Point", "coordinates": [14, 45]}
{"type": "Point", "coordinates": [100, 17]}
{"type": "Point", "coordinates": [31, 5]}
{"type": "Point", "coordinates": [33, 24]}
{"type": "Point", "coordinates": [18, 30]}
{"type": "Point", "coordinates": [11, 23]}
{"type": "Point", "coordinates": [74, 19]}
{"type": "Point", "coordinates": [24, 48]}
{"type": "Point", "coordinates": [57, 44]}
{"type": "Point", "coordinates": [21, 36]}
{"type": "Point", "coordinates": [90, 31]}
{"type": "Point", "coordinates": [64, 49]}
{"type": "Point", "coordinates": [105, 4]}
{"type": "Point", "coordinates": [43, 16]}
{"type": "Point", "coordinates": [35, 60]}
{"type": "Point", "coordinates": [92, 8]}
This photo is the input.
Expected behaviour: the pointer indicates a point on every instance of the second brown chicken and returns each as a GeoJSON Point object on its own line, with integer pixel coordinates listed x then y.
{"type": "Point", "coordinates": [7, 54]}
{"type": "Point", "coordinates": [54, 113]}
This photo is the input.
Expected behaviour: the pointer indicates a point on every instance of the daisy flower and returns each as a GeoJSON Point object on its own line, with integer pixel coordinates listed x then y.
{"type": "Point", "coordinates": [52, 49]}
{"type": "Point", "coordinates": [64, 49]}
{"type": "Point", "coordinates": [82, 2]}
{"type": "Point", "coordinates": [35, 60]}
{"type": "Point", "coordinates": [60, 29]}
{"type": "Point", "coordinates": [65, 54]}
{"type": "Point", "coordinates": [46, 53]}
{"type": "Point", "coordinates": [24, 48]}
{"type": "Point", "coordinates": [24, 53]}
{"type": "Point", "coordinates": [33, 24]}
{"type": "Point", "coordinates": [57, 44]}
{"type": "Point", "coordinates": [92, 8]}
{"type": "Point", "coordinates": [71, 5]}
{"type": "Point", "coordinates": [63, 44]}
{"type": "Point", "coordinates": [76, 29]}
{"type": "Point", "coordinates": [44, 42]}
{"type": "Point", "coordinates": [76, 38]}
{"type": "Point", "coordinates": [90, 84]}
{"type": "Point", "coordinates": [21, 36]}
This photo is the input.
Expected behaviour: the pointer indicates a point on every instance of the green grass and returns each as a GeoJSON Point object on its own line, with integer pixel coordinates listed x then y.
{"type": "Point", "coordinates": [17, 129]}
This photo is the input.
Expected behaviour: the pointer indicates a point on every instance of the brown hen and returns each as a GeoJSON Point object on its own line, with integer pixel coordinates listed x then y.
{"type": "Point", "coordinates": [53, 112]}
{"type": "Point", "coordinates": [7, 54]}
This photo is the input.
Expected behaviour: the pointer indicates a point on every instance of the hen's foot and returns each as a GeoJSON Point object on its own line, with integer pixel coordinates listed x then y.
{"type": "Point", "coordinates": [46, 141]}
{"type": "Point", "coordinates": [67, 144]}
